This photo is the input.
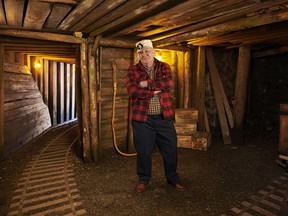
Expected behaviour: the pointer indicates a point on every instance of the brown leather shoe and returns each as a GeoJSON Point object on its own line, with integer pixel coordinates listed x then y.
{"type": "Point", "coordinates": [140, 187]}
{"type": "Point", "coordinates": [179, 186]}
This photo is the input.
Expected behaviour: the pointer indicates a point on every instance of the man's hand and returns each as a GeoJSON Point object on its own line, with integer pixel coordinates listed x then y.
{"type": "Point", "coordinates": [143, 84]}
{"type": "Point", "coordinates": [156, 92]}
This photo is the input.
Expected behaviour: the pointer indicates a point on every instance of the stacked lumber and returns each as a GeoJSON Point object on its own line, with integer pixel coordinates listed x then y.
{"type": "Point", "coordinates": [186, 127]}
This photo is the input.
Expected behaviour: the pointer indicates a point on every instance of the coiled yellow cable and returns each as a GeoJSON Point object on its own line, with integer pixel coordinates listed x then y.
{"type": "Point", "coordinates": [113, 64]}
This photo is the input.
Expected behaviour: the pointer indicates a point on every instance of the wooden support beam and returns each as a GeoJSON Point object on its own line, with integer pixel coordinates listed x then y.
{"type": "Point", "coordinates": [85, 102]}
{"type": "Point", "coordinates": [1, 100]}
{"type": "Point", "coordinates": [14, 16]}
{"type": "Point", "coordinates": [225, 102]}
{"type": "Point", "coordinates": [73, 92]}
{"type": "Point", "coordinates": [180, 78]}
{"type": "Point", "coordinates": [46, 81]}
{"type": "Point", "coordinates": [53, 91]}
{"type": "Point", "coordinates": [241, 85]}
{"type": "Point", "coordinates": [200, 88]}
{"type": "Point", "coordinates": [187, 72]}
{"type": "Point", "coordinates": [93, 88]}
{"type": "Point", "coordinates": [42, 36]}
{"type": "Point", "coordinates": [67, 92]}
{"type": "Point", "coordinates": [80, 11]}
{"type": "Point", "coordinates": [225, 28]}
{"type": "Point", "coordinates": [60, 92]}
{"type": "Point", "coordinates": [218, 97]}
{"type": "Point", "coordinates": [117, 43]}
{"type": "Point", "coordinates": [128, 16]}
{"type": "Point", "coordinates": [98, 12]}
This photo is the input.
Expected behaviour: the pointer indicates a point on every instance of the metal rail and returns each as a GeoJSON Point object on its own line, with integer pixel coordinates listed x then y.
{"type": "Point", "coordinates": [47, 185]}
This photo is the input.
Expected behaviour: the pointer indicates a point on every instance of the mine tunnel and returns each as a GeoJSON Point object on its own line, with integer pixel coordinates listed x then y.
{"type": "Point", "coordinates": [67, 144]}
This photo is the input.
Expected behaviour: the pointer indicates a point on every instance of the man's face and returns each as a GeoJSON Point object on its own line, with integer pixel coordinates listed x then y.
{"type": "Point", "coordinates": [146, 56]}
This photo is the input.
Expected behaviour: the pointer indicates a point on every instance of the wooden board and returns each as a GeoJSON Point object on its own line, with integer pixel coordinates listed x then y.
{"type": "Point", "coordinates": [218, 97]}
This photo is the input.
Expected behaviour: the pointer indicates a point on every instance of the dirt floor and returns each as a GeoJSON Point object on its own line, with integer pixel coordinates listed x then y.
{"type": "Point", "coordinates": [216, 180]}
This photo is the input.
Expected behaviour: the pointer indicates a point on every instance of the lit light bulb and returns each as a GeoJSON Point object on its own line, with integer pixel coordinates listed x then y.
{"type": "Point", "coordinates": [37, 65]}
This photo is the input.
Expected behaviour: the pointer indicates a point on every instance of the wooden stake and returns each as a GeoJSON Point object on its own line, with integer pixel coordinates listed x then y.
{"type": "Point", "coordinates": [225, 102]}
{"type": "Point", "coordinates": [218, 98]}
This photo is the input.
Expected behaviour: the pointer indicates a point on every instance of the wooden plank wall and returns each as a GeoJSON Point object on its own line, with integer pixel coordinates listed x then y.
{"type": "Point", "coordinates": [23, 105]}
{"type": "Point", "coordinates": [124, 59]}
{"type": "Point", "coordinates": [174, 59]}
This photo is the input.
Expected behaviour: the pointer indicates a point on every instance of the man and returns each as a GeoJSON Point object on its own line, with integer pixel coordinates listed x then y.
{"type": "Point", "coordinates": [149, 83]}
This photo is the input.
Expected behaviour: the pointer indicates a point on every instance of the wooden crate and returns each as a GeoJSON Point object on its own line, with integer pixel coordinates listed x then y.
{"type": "Point", "coordinates": [201, 140]}
{"type": "Point", "coordinates": [186, 116]}
{"type": "Point", "coordinates": [182, 129]}
{"type": "Point", "coordinates": [184, 141]}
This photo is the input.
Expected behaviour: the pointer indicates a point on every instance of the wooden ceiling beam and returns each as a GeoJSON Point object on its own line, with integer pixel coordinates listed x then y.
{"type": "Point", "coordinates": [158, 18]}
{"type": "Point", "coordinates": [250, 36]}
{"type": "Point", "coordinates": [35, 18]}
{"type": "Point", "coordinates": [72, 2]}
{"type": "Point", "coordinates": [2, 15]}
{"type": "Point", "coordinates": [81, 10]}
{"type": "Point", "coordinates": [128, 17]}
{"type": "Point", "coordinates": [42, 36]}
{"type": "Point", "coordinates": [14, 10]}
{"type": "Point", "coordinates": [200, 13]}
{"type": "Point", "coordinates": [117, 13]}
{"type": "Point", "coordinates": [98, 12]}
{"type": "Point", "coordinates": [59, 11]}
{"type": "Point", "coordinates": [225, 28]}
{"type": "Point", "coordinates": [221, 19]}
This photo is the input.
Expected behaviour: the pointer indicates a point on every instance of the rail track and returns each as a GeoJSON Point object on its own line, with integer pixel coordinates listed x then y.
{"type": "Point", "coordinates": [47, 185]}
{"type": "Point", "coordinates": [266, 202]}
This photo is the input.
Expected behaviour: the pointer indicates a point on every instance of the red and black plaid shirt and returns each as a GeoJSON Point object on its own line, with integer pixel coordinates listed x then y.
{"type": "Point", "coordinates": [140, 97]}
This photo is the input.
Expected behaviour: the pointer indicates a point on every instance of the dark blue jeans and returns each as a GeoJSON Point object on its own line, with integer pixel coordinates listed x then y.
{"type": "Point", "coordinates": [160, 131]}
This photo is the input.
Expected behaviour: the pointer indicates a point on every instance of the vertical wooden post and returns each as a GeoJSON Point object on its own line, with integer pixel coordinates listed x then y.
{"type": "Point", "coordinates": [1, 100]}
{"type": "Point", "coordinates": [67, 92]}
{"type": "Point", "coordinates": [46, 81]}
{"type": "Point", "coordinates": [85, 102]}
{"type": "Point", "coordinates": [40, 75]}
{"type": "Point", "coordinates": [60, 91]}
{"type": "Point", "coordinates": [180, 78]}
{"type": "Point", "coordinates": [72, 90]}
{"type": "Point", "coordinates": [53, 91]}
{"type": "Point", "coordinates": [186, 79]}
{"type": "Point", "coordinates": [92, 62]}
{"type": "Point", "coordinates": [200, 88]}
{"type": "Point", "coordinates": [78, 98]}
{"type": "Point", "coordinates": [241, 85]}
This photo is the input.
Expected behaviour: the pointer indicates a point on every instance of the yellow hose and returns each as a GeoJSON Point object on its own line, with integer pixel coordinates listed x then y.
{"type": "Point", "coordinates": [113, 63]}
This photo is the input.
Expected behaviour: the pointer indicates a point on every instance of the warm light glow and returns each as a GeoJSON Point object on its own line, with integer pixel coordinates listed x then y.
{"type": "Point", "coordinates": [37, 65]}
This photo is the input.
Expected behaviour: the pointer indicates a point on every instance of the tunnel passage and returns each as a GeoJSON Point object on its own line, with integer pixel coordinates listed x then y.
{"type": "Point", "coordinates": [39, 90]}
